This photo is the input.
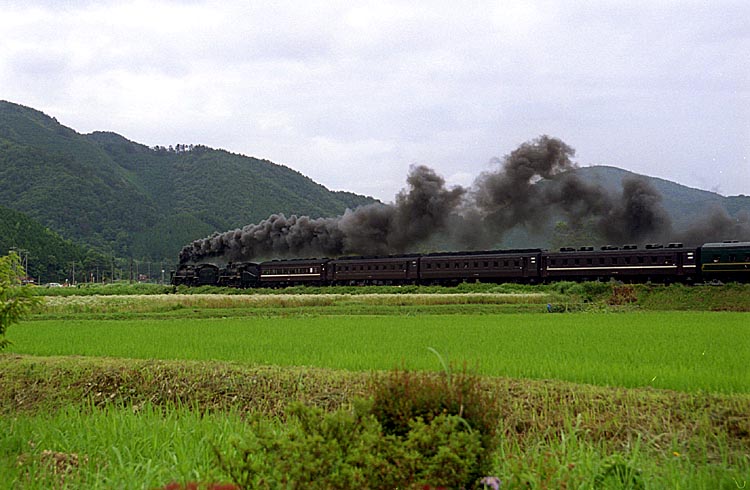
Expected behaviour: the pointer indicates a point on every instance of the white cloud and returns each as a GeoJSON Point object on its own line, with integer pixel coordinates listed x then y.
{"type": "Point", "coordinates": [351, 94]}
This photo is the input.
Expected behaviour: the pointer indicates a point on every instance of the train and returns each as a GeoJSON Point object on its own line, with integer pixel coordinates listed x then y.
{"type": "Point", "coordinates": [727, 261]}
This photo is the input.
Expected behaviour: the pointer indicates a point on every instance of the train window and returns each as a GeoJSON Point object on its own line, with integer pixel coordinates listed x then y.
{"type": "Point", "coordinates": [589, 261]}
{"type": "Point", "coordinates": [732, 258]}
{"type": "Point", "coordinates": [495, 263]}
{"type": "Point", "coordinates": [654, 259]}
{"type": "Point", "coordinates": [627, 260]}
{"type": "Point", "coordinates": [578, 261]}
{"type": "Point", "coordinates": [505, 263]}
{"type": "Point", "coordinates": [516, 263]}
{"type": "Point", "coordinates": [601, 260]}
{"type": "Point", "coordinates": [552, 261]}
{"type": "Point", "coordinates": [641, 259]}
{"type": "Point", "coordinates": [456, 265]}
{"type": "Point", "coordinates": [476, 265]}
{"type": "Point", "coordinates": [486, 264]}
{"type": "Point", "coordinates": [747, 258]}
{"type": "Point", "coordinates": [466, 265]}
{"type": "Point", "coordinates": [565, 261]}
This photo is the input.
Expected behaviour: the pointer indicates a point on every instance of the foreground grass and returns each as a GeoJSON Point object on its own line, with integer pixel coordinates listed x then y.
{"type": "Point", "coordinates": [109, 423]}
{"type": "Point", "coordinates": [687, 351]}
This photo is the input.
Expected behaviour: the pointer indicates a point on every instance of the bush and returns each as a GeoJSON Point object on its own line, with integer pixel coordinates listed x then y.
{"type": "Point", "coordinates": [417, 431]}
{"type": "Point", "coordinates": [348, 450]}
{"type": "Point", "coordinates": [404, 396]}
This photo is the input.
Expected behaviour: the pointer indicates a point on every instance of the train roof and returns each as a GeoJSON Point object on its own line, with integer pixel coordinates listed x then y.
{"type": "Point", "coordinates": [378, 257]}
{"type": "Point", "coordinates": [727, 244]}
{"type": "Point", "coordinates": [296, 261]}
{"type": "Point", "coordinates": [486, 252]}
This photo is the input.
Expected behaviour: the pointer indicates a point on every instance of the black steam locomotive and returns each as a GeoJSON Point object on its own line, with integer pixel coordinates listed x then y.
{"type": "Point", "coordinates": [725, 261]}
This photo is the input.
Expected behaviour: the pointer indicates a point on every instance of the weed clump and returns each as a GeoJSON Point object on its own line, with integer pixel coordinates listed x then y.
{"type": "Point", "coordinates": [416, 431]}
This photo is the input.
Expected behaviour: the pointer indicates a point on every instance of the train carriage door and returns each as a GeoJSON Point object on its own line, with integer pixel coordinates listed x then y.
{"type": "Point", "coordinates": [532, 270]}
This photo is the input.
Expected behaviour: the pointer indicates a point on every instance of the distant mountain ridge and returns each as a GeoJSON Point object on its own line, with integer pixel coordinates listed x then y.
{"type": "Point", "coordinates": [682, 203]}
{"type": "Point", "coordinates": [132, 200]}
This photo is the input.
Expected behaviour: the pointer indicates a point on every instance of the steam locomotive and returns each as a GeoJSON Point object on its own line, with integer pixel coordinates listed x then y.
{"type": "Point", "coordinates": [725, 261]}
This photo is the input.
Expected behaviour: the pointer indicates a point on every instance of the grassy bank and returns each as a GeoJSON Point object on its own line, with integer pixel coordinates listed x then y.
{"type": "Point", "coordinates": [150, 298]}
{"type": "Point", "coordinates": [115, 423]}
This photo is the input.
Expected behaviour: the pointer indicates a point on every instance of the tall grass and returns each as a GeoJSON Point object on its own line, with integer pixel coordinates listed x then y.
{"type": "Point", "coordinates": [115, 447]}
{"type": "Point", "coordinates": [149, 447]}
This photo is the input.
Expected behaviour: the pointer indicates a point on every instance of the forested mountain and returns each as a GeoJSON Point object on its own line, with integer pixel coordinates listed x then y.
{"type": "Point", "coordinates": [135, 201]}
{"type": "Point", "coordinates": [47, 255]}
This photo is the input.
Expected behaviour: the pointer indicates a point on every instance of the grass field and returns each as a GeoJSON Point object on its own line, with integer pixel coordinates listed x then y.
{"type": "Point", "coordinates": [688, 351]}
{"type": "Point", "coordinates": [663, 396]}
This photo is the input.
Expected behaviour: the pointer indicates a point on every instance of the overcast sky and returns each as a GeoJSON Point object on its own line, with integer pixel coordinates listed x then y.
{"type": "Point", "coordinates": [353, 93]}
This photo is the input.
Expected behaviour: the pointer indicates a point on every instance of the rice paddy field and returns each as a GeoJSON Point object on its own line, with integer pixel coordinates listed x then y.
{"type": "Point", "coordinates": [686, 351]}
{"type": "Point", "coordinates": [127, 391]}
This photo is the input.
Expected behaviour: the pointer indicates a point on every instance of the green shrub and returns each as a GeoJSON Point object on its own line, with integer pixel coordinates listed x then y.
{"type": "Point", "coordinates": [418, 430]}
{"type": "Point", "coordinates": [402, 397]}
{"type": "Point", "coordinates": [348, 449]}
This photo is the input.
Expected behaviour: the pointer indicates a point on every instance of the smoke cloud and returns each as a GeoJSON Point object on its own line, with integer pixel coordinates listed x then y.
{"type": "Point", "coordinates": [532, 186]}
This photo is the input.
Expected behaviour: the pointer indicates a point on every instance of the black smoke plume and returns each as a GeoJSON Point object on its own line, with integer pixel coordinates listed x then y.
{"type": "Point", "coordinates": [417, 213]}
{"type": "Point", "coordinates": [533, 186]}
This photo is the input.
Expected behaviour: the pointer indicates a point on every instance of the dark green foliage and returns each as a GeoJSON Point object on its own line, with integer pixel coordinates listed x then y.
{"type": "Point", "coordinates": [583, 291]}
{"type": "Point", "coordinates": [420, 430]}
{"type": "Point", "coordinates": [346, 450]}
{"type": "Point", "coordinates": [404, 396]}
{"type": "Point", "coordinates": [49, 255]}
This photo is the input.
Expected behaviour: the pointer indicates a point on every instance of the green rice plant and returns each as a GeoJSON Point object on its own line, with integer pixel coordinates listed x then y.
{"type": "Point", "coordinates": [688, 351]}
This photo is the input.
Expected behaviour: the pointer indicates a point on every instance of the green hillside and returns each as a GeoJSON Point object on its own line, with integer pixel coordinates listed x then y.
{"type": "Point", "coordinates": [49, 257]}
{"type": "Point", "coordinates": [683, 204]}
{"type": "Point", "coordinates": [134, 201]}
